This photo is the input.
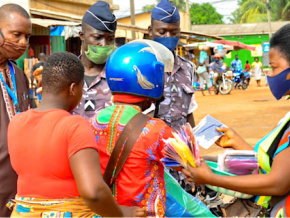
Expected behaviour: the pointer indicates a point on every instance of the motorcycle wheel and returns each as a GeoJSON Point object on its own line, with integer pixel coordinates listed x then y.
{"type": "Point", "coordinates": [245, 86]}
{"type": "Point", "coordinates": [227, 88]}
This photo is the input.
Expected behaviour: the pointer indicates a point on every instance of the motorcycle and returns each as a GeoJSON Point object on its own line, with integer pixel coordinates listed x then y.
{"type": "Point", "coordinates": [223, 85]}
{"type": "Point", "coordinates": [240, 79]}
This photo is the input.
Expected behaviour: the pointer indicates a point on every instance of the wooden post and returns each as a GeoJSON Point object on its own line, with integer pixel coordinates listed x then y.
{"type": "Point", "coordinates": [269, 18]}
{"type": "Point", "coordinates": [132, 10]}
{"type": "Point", "coordinates": [188, 21]}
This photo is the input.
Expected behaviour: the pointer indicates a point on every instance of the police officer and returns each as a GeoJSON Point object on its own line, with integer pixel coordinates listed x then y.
{"type": "Point", "coordinates": [179, 102]}
{"type": "Point", "coordinates": [98, 42]}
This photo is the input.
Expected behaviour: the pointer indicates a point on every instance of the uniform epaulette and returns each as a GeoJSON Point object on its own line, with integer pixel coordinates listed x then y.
{"type": "Point", "coordinates": [182, 58]}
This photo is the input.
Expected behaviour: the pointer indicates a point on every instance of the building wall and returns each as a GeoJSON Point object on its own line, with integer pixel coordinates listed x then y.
{"type": "Point", "coordinates": [143, 20]}
{"type": "Point", "coordinates": [245, 55]}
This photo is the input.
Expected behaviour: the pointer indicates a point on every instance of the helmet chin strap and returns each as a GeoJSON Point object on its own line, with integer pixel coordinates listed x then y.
{"type": "Point", "coordinates": [157, 106]}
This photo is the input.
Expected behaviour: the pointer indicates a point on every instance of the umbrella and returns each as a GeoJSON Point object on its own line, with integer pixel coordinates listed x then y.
{"type": "Point", "coordinates": [236, 44]}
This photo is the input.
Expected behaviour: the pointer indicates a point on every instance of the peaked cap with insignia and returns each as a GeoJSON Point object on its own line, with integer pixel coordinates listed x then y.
{"type": "Point", "coordinates": [164, 11]}
{"type": "Point", "coordinates": [100, 17]}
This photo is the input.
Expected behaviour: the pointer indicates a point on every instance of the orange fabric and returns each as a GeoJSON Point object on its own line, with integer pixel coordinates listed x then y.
{"type": "Point", "coordinates": [125, 98]}
{"type": "Point", "coordinates": [40, 145]}
{"type": "Point", "coordinates": [287, 207]}
{"type": "Point", "coordinates": [141, 180]}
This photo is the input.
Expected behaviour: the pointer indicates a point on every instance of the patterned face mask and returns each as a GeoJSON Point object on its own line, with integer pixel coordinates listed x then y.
{"type": "Point", "coordinates": [11, 50]}
{"type": "Point", "coordinates": [99, 54]}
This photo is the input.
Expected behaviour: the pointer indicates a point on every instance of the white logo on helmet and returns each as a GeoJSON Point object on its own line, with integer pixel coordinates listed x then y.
{"type": "Point", "coordinates": [142, 80]}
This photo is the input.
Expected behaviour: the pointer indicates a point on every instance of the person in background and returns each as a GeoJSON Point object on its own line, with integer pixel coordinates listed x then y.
{"type": "Point", "coordinates": [204, 79]}
{"type": "Point", "coordinates": [248, 70]}
{"type": "Point", "coordinates": [141, 180]}
{"type": "Point", "coordinates": [41, 60]}
{"type": "Point", "coordinates": [34, 76]}
{"type": "Point", "coordinates": [98, 42]}
{"type": "Point", "coordinates": [236, 64]}
{"type": "Point", "coordinates": [55, 154]}
{"type": "Point", "coordinates": [15, 30]}
{"type": "Point", "coordinates": [179, 102]}
{"type": "Point", "coordinates": [257, 70]}
{"type": "Point", "coordinates": [247, 66]}
{"type": "Point", "coordinates": [30, 52]}
{"type": "Point", "coordinates": [272, 185]}
{"type": "Point", "coordinates": [217, 68]}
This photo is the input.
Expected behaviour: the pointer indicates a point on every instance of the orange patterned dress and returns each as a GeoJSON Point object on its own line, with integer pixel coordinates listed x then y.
{"type": "Point", "coordinates": [141, 181]}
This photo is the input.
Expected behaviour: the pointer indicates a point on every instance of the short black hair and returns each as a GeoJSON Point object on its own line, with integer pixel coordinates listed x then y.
{"type": "Point", "coordinates": [60, 70]}
{"type": "Point", "coordinates": [7, 9]}
{"type": "Point", "coordinates": [280, 40]}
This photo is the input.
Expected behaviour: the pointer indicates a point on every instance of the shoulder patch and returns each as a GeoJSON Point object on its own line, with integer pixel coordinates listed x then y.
{"type": "Point", "coordinates": [184, 60]}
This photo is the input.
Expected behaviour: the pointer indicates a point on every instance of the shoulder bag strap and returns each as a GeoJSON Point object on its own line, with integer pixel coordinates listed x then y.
{"type": "Point", "coordinates": [120, 153]}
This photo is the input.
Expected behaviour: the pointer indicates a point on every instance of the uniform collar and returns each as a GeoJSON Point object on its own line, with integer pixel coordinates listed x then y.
{"type": "Point", "coordinates": [177, 64]}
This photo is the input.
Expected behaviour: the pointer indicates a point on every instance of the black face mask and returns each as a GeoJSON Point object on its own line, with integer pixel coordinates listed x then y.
{"type": "Point", "coordinates": [11, 50]}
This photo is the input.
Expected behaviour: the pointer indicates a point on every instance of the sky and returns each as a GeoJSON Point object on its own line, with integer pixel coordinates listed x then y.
{"type": "Point", "coordinates": [224, 7]}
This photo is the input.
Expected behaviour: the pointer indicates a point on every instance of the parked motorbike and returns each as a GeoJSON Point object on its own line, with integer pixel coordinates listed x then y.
{"type": "Point", "coordinates": [223, 85]}
{"type": "Point", "coordinates": [240, 79]}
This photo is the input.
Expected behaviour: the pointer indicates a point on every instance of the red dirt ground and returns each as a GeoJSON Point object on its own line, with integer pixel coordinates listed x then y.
{"type": "Point", "coordinates": [252, 112]}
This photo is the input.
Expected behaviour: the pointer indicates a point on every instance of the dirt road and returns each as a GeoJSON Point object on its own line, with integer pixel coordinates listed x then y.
{"type": "Point", "coordinates": [252, 112]}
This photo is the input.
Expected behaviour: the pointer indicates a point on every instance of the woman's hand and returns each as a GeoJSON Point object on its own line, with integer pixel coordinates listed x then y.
{"type": "Point", "coordinates": [199, 175]}
{"type": "Point", "coordinates": [133, 211]}
{"type": "Point", "coordinates": [231, 139]}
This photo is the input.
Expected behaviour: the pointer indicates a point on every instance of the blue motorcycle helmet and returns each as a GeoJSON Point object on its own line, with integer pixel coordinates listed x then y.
{"type": "Point", "coordinates": [137, 68]}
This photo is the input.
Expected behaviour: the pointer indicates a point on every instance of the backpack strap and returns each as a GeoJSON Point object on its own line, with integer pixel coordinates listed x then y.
{"type": "Point", "coordinates": [120, 153]}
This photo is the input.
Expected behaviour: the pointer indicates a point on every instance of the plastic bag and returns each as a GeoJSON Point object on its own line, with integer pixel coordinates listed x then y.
{"type": "Point", "coordinates": [205, 132]}
{"type": "Point", "coordinates": [181, 204]}
{"type": "Point", "coordinates": [239, 162]}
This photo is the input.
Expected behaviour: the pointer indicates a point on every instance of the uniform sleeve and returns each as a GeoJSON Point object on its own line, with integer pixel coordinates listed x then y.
{"type": "Point", "coordinates": [80, 136]}
{"type": "Point", "coordinates": [193, 105]}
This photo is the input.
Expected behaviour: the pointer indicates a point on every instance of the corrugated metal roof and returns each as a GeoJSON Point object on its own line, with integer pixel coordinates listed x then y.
{"type": "Point", "coordinates": [238, 29]}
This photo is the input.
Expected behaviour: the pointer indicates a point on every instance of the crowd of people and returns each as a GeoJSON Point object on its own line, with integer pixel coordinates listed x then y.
{"type": "Point", "coordinates": [208, 73]}
{"type": "Point", "coordinates": [93, 146]}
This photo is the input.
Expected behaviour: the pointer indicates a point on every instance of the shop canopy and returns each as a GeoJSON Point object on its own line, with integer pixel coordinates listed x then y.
{"type": "Point", "coordinates": [236, 44]}
{"type": "Point", "coordinates": [206, 45]}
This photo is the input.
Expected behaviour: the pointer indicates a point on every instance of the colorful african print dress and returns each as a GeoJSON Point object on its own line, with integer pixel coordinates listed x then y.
{"type": "Point", "coordinates": [141, 181]}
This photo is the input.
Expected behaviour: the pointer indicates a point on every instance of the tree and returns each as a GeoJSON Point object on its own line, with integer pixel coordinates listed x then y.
{"type": "Point", "coordinates": [180, 4]}
{"type": "Point", "coordinates": [204, 14]}
{"type": "Point", "coordinates": [253, 11]}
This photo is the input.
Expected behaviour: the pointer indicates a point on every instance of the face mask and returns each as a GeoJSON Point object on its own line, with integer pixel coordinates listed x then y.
{"type": "Point", "coordinates": [280, 84]}
{"type": "Point", "coordinates": [99, 54]}
{"type": "Point", "coordinates": [216, 60]}
{"type": "Point", "coordinates": [11, 50]}
{"type": "Point", "coordinates": [168, 42]}
{"type": "Point", "coordinates": [237, 59]}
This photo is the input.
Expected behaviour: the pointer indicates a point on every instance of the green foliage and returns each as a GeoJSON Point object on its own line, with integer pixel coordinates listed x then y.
{"type": "Point", "coordinates": [253, 11]}
{"type": "Point", "coordinates": [180, 4]}
{"type": "Point", "coordinates": [204, 14]}
{"type": "Point", "coordinates": [148, 7]}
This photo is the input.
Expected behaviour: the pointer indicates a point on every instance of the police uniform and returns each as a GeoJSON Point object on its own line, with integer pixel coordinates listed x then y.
{"type": "Point", "coordinates": [178, 93]}
{"type": "Point", "coordinates": [178, 89]}
{"type": "Point", "coordinates": [97, 95]}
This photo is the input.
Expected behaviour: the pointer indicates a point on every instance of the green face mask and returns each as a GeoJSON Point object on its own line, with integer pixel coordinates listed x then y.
{"type": "Point", "coordinates": [99, 54]}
